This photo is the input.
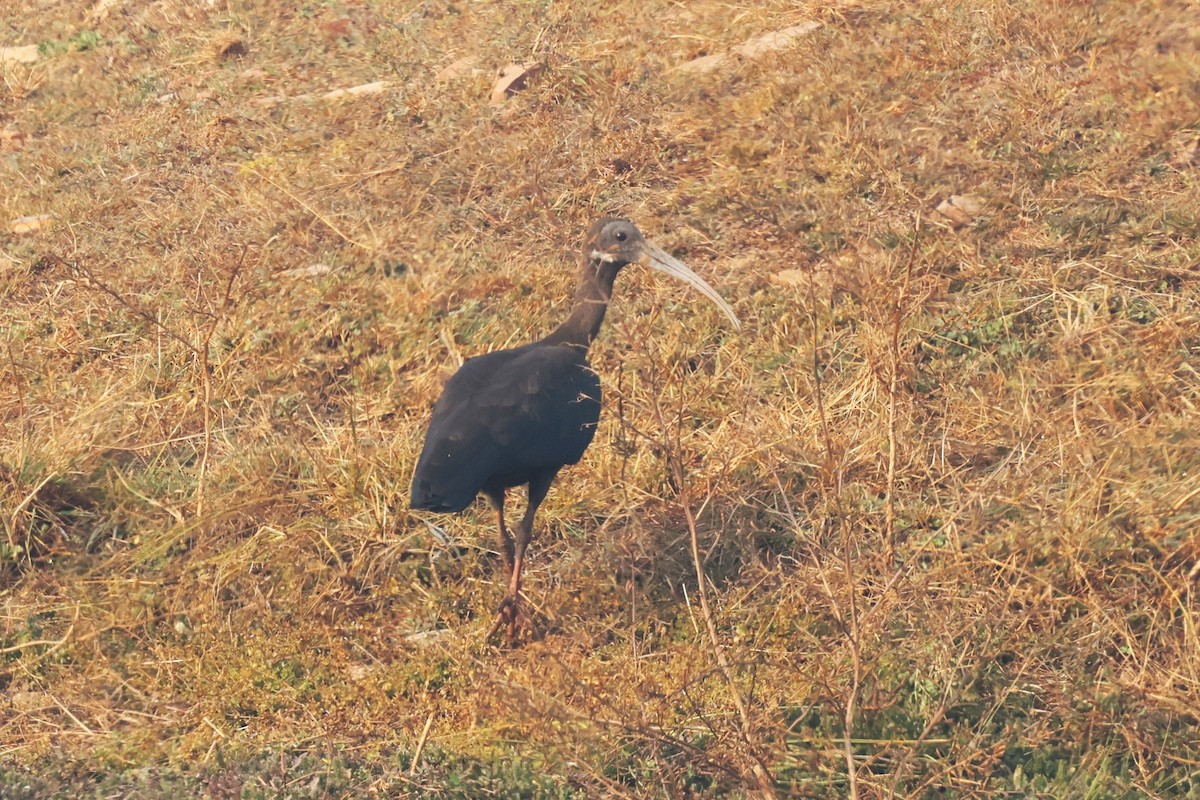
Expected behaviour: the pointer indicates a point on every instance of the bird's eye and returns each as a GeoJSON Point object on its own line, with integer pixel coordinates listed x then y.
{"type": "Point", "coordinates": [621, 236]}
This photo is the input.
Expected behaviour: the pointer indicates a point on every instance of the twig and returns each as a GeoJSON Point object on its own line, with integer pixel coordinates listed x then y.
{"type": "Point", "coordinates": [125, 303]}
{"type": "Point", "coordinates": [199, 350]}
{"type": "Point", "coordinates": [935, 719]}
{"type": "Point", "coordinates": [893, 385]}
{"type": "Point", "coordinates": [852, 632]}
{"type": "Point", "coordinates": [314, 212]}
{"type": "Point", "coordinates": [206, 387]}
{"type": "Point", "coordinates": [758, 767]}
{"type": "Point", "coordinates": [29, 498]}
{"type": "Point", "coordinates": [855, 665]}
{"type": "Point", "coordinates": [214, 727]}
{"type": "Point", "coordinates": [16, 648]}
{"type": "Point", "coordinates": [19, 384]}
{"type": "Point", "coordinates": [416, 759]}
{"type": "Point", "coordinates": [74, 718]}
{"type": "Point", "coordinates": [206, 379]}
{"type": "Point", "coordinates": [55, 644]}
{"type": "Point", "coordinates": [819, 393]}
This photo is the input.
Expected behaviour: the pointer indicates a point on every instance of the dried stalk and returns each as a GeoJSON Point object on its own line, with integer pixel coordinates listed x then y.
{"type": "Point", "coordinates": [852, 627]}
{"type": "Point", "coordinates": [893, 386]}
{"type": "Point", "coordinates": [758, 767]}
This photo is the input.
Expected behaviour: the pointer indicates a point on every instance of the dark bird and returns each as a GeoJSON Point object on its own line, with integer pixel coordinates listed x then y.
{"type": "Point", "coordinates": [516, 417]}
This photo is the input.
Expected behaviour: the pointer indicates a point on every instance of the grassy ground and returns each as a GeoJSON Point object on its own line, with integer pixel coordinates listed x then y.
{"type": "Point", "coordinates": [945, 482]}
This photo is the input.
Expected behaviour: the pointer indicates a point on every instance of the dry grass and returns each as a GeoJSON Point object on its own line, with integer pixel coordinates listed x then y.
{"type": "Point", "coordinates": [944, 486]}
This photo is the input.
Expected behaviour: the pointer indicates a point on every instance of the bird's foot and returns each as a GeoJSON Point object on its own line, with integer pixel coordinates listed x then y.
{"type": "Point", "coordinates": [511, 618]}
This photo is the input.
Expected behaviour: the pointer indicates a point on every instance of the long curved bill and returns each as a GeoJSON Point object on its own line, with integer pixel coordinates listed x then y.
{"type": "Point", "coordinates": [659, 259]}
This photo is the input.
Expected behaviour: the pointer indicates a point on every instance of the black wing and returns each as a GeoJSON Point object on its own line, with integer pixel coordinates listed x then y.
{"type": "Point", "coordinates": [503, 418]}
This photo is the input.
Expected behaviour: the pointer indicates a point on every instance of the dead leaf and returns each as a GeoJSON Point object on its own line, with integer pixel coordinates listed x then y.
{"type": "Point", "coordinates": [467, 65]}
{"type": "Point", "coordinates": [311, 271]}
{"type": "Point", "coordinates": [754, 48]}
{"type": "Point", "coordinates": [790, 277]}
{"type": "Point", "coordinates": [971, 205]}
{"type": "Point", "coordinates": [270, 101]}
{"type": "Point", "coordinates": [775, 40]}
{"type": "Point", "coordinates": [30, 701]}
{"type": "Point", "coordinates": [230, 48]}
{"type": "Point", "coordinates": [12, 139]}
{"type": "Point", "coordinates": [1187, 151]}
{"type": "Point", "coordinates": [336, 28]}
{"type": "Point", "coordinates": [27, 54]}
{"type": "Point", "coordinates": [31, 224]}
{"type": "Point", "coordinates": [358, 672]}
{"type": "Point", "coordinates": [353, 91]}
{"type": "Point", "coordinates": [102, 8]}
{"type": "Point", "coordinates": [829, 283]}
{"type": "Point", "coordinates": [960, 209]}
{"type": "Point", "coordinates": [253, 74]}
{"type": "Point", "coordinates": [704, 63]}
{"type": "Point", "coordinates": [422, 638]}
{"type": "Point", "coordinates": [513, 79]}
{"type": "Point", "coordinates": [366, 88]}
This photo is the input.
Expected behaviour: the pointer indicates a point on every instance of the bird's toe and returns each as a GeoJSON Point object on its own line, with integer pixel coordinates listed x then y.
{"type": "Point", "coordinates": [512, 619]}
{"type": "Point", "coordinates": [506, 618]}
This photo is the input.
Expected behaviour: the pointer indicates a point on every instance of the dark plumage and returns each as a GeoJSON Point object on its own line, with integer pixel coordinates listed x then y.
{"type": "Point", "coordinates": [504, 418]}
{"type": "Point", "coordinates": [516, 417]}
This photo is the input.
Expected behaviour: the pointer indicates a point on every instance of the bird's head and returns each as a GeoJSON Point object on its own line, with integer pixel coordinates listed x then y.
{"type": "Point", "coordinates": [612, 243]}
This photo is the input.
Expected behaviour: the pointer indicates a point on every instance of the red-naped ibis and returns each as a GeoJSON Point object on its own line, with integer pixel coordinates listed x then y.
{"type": "Point", "coordinates": [516, 417]}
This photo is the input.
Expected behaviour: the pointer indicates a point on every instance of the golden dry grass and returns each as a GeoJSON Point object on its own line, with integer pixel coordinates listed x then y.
{"type": "Point", "coordinates": [945, 482]}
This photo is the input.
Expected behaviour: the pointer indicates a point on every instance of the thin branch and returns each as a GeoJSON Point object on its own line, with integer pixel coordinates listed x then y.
{"type": "Point", "coordinates": [855, 664]}
{"type": "Point", "coordinates": [893, 387]}
{"type": "Point", "coordinates": [328, 222]}
{"type": "Point", "coordinates": [55, 644]}
{"type": "Point", "coordinates": [124, 301]}
{"type": "Point", "coordinates": [74, 718]}
{"type": "Point", "coordinates": [18, 383]}
{"type": "Point", "coordinates": [758, 767]}
{"type": "Point", "coordinates": [852, 632]}
{"type": "Point", "coordinates": [206, 377]}
{"type": "Point", "coordinates": [416, 759]}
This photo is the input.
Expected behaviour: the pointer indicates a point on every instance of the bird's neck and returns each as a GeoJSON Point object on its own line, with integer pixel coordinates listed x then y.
{"type": "Point", "coordinates": [587, 312]}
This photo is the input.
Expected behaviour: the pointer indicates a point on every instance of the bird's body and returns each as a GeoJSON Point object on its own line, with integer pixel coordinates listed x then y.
{"type": "Point", "coordinates": [503, 419]}
{"type": "Point", "coordinates": [516, 417]}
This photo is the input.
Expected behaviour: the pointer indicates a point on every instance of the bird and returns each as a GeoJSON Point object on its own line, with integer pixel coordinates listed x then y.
{"type": "Point", "coordinates": [517, 417]}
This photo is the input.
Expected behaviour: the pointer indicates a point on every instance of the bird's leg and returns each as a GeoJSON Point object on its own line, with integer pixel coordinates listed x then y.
{"type": "Point", "coordinates": [506, 614]}
{"type": "Point", "coordinates": [538, 487]}
{"type": "Point", "coordinates": [506, 540]}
